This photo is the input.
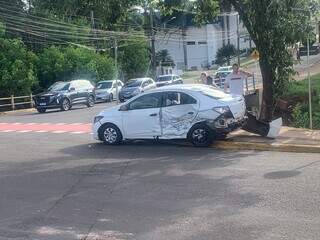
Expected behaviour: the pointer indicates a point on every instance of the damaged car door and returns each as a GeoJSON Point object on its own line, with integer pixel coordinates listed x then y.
{"type": "Point", "coordinates": [142, 117]}
{"type": "Point", "coordinates": [178, 114]}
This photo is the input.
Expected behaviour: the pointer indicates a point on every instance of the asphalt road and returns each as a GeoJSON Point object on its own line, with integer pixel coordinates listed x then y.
{"type": "Point", "coordinates": [67, 186]}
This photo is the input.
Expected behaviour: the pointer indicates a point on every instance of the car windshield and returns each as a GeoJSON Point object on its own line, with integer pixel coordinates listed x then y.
{"type": "Point", "coordinates": [133, 83]}
{"type": "Point", "coordinates": [164, 78]}
{"type": "Point", "coordinates": [59, 86]}
{"type": "Point", "coordinates": [104, 85]}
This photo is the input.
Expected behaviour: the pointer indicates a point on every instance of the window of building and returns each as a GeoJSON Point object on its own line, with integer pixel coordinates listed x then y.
{"type": "Point", "coordinates": [191, 43]}
{"type": "Point", "coordinates": [202, 42]}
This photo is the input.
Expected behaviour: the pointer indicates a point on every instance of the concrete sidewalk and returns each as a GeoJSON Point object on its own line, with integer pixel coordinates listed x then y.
{"type": "Point", "coordinates": [289, 140]}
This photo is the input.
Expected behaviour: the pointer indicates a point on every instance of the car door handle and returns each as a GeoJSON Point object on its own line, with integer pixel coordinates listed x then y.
{"type": "Point", "coordinates": [153, 115]}
{"type": "Point", "coordinates": [190, 113]}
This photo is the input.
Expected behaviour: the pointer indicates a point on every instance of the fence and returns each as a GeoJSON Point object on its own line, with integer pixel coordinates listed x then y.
{"type": "Point", "coordinates": [12, 103]}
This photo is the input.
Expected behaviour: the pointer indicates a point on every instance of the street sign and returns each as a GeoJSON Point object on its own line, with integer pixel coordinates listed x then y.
{"type": "Point", "coordinates": [255, 55]}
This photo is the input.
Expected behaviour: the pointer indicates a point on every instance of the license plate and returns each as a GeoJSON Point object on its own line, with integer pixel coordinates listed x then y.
{"type": "Point", "coordinates": [42, 104]}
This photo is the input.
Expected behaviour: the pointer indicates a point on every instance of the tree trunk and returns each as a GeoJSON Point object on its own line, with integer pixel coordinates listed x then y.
{"type": "Point", "coordinates": [266, 113]}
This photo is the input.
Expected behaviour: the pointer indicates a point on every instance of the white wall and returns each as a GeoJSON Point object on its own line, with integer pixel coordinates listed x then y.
{"type": "Point", "coordinates": [201, 43]}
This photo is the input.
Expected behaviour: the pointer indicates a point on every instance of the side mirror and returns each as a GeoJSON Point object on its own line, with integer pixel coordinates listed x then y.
{"type": "Point", "coordinates": [72, 89]}
{"type": "Point", "coordinates": [124, 108]}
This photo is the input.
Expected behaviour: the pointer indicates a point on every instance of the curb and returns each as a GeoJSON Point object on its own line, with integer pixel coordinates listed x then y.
{"type": "Point", "coordinates": [17, 111]}
{"type": "Point", "coordinates": [276, 147]}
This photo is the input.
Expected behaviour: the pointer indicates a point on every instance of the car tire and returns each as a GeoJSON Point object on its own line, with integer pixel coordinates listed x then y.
{"type": "Point", "coordinates": [200, 135]}
{"type": "Point", "coordinates": [110, 98]}
{"type": "Point", "coordinates": [110, 134]}
{"type": "Point", "coordinates": [41, 110]}
{"type": "Point", "coordinates": [65, 104]}
{"type": "Point", "coordinates": [90, 101]}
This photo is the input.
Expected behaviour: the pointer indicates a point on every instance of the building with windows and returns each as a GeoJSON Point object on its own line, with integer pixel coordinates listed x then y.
{"type": "Point", "coordinates": [195, 48]}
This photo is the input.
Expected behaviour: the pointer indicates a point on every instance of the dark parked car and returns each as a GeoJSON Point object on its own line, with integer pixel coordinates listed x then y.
{"type": "Point", "coordinates": [134, 87]}
{"type": "Point", "coordinates": [64, 95]}
{"type": "Point", "coordinates": [164, 80]}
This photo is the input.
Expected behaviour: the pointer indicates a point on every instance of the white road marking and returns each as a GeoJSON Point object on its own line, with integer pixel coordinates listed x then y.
{"type": "Point", "coordinates": [41, 131]}
{"type": "Point", "coordinates": [77, 132]}
{"type": "Point", "coordinates": [59, 131]}
{"type": "Point", "coordinates": [30, 123]}
{"type": "Point", "coordinates": [58, 124]}
{"type": "Point", "coordinates": [6, 131]}
{"type": "Point", "coordinates": [16, 123]}
{"type": "Point", "coordinates": [24, 131]}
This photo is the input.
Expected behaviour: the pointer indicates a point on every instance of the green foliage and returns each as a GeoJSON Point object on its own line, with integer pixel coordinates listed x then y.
{"type": "Point", "coordinates": [163, 58]}
{"type": "Point", "coordinates": [297, 94]}
{"type": "Point", "coordinates": [225, 53]}
{"type": "Point", "coordinates": [17, 68]}
{"type": "Point", "coordinates": [2, 29]}
{"type": "Point", "coordinates": [134, 59]}
{"type": "Point", "coordinates": [57, 64]}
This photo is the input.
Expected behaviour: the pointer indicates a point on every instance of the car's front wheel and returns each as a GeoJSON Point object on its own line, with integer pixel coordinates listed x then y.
{"type": "Point", "coordinates": [110, 134]}
{"type": "Point", "coordinates": [41, 110]}
{"type": "Point", "coordinates": [65, 105]}
{"type": "Point", "coordinates": [200, 136]}
{"type": "Point", "coordinates": [110, 97]}
{"type": "Point", "coordinates": [90, 101]}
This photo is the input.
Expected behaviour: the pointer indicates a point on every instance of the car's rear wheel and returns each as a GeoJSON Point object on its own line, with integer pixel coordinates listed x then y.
{"type": "Point", "coordinates": [200, 135]}
{"type": "Point", "coordinates": [110, 134]}
{"type": "Point", "coordinates": [65, 105]}
{"type": "Point", "coordinates": [90, 101]}
{"type": "Point", "coordinates": [41, 110]}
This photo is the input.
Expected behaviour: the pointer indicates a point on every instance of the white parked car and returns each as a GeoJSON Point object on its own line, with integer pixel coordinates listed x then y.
{"type": "Point", "coordinates": [195, 112]}
{"type": "Point", "coordinates": [171, 79]}
{"type": "Point", "coordinates": [107, 90]}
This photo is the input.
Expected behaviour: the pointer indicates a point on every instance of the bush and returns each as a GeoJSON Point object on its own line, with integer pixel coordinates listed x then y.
{"type": "Point", "coordinates": [134, 59]}
{"type": "Point", "coordinates": [59, 64]}
{"type": "Point", "coordinates": [17, 68]}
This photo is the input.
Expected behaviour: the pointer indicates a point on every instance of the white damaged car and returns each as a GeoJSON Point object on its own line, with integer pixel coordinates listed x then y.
{"type": "Point", "coordinates": [195, 112]}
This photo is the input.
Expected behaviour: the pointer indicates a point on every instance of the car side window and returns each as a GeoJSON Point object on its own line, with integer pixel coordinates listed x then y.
{"type": "Point", "coordinates": [178, 98]}
{"type": "Point", "coordinates": [146, 83]}
{"type": "Point", "coordinates": [152, 100]}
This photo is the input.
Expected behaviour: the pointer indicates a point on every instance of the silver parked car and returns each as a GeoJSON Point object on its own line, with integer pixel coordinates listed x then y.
{"type": "Point", "coordinates": [171, 79]}
{"type": "Point", "coordinates": [107, 90]}
{"type": "Point", "coordinates": [136, 86]}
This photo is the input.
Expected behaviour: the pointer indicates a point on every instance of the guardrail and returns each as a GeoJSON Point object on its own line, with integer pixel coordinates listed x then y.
{"type": "Point", "coordinates": [13, 102]}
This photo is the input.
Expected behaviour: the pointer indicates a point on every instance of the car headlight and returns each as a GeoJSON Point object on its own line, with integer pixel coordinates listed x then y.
{"type": "Point", "coordinates": [221, 109]}
{"type": "Point", "coordinates": [97, 119]}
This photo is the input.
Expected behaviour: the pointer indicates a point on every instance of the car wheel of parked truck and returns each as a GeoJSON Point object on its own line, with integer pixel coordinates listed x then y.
{"type": "Point", "coordinates": [200, 135]}
{"type": "Point", "coordinates": [110, 134]}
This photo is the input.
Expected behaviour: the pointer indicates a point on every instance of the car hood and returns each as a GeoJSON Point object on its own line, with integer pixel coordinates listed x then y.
{"type": "Point", "coordinates": [129, 89]}
{"type": "Point", "coordinates": [49, 93]}
{"type": "Point", "coordinates": [110, 111]}
{"type": "Point", "coordinates": [103, 90]}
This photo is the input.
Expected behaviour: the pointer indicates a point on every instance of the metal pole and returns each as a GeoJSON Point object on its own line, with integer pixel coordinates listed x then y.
{"type": "Point", "coordinates": [116, 66]}
{"type": "Point", "coordinates": [309, 81]}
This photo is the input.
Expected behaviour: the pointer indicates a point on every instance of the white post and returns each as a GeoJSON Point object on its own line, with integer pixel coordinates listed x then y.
{"type": "Point", "coordinates": [116, 65]}
{"type": "Point", "coordinates": [309, 82]}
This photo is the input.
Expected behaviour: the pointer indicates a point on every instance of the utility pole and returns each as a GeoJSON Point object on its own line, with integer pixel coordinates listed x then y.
{"type": "Point", "coordinates": [238, 40]}
{"type": "Point", "coordinates": [184, 42]}
{"type": "Point", "coordinates": [93, 27]}
{"type": "Point", "coordinates": [115, 46]}
{"type": "Point", "coordinates": [153, 48]}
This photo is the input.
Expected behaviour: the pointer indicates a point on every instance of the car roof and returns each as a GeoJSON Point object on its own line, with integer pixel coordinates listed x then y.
{"type": "Point", "coordinates": [181, 87]}
{"type": "Point", "coordinates": [103, 81]}
{"type": "Point", "coordinates": [167, 75]}
{"type": "Point", "coordinates": [139, 79]}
